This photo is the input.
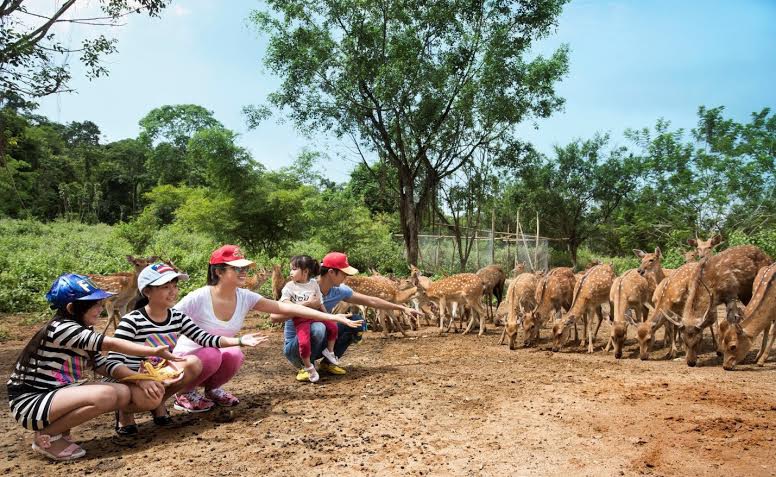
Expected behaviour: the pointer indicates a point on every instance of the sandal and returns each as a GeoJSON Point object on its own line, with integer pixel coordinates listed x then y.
{"type": "Point", "coordinates": [128, 430]}
{"type": "Point", "coordinates": [163, 420]}
{"type": "Point", "coordinates": [42, 442]}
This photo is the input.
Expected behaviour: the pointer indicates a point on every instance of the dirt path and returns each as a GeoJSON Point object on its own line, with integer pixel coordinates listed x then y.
{"type": "Point", "coordinates": [446, 405]}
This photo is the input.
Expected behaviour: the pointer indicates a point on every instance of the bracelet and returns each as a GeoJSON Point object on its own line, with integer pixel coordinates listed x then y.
{"type": "Point", "coordinates": [239, 341]}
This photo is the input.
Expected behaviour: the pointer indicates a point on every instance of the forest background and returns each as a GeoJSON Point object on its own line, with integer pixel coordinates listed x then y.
{"type": "Point", "coordinates": [184, 185]}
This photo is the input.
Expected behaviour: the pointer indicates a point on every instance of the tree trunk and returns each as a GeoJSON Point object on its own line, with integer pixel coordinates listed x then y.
{"type": "Point", "coordinates": [408, 216]}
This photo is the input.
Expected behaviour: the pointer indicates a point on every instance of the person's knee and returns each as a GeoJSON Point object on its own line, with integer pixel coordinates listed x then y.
{"type": "Point", "coordinates": [192, 367]}
{"type": "Point", "coordinates": [141, 401]}
{"type": "Point", "coordinates": [105, 398]}
{"type": "Point", "coordinates": [317, 332]}
{"type": "Point", "coordinates": [232, 359]}
{"type": "Point", "coordinates": [123, 396]}
{"type": "Point", "coordinates": [210, 360]}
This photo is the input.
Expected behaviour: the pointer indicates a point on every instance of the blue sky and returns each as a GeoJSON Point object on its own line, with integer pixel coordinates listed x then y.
{"type": "Point", "coordinates": [632, 62]}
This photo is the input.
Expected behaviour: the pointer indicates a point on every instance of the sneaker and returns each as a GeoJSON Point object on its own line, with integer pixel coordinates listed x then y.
{"type": "Point", "coordinates": [357, 337]}
{"type": "Point", "coordinates": [221, 397]}
{"type": "Point", "coordinates": [332, 368]}
{"type": "Point", "coordinates": [330, 356]}
{"type": "Point", "coordinates": [302, 375]}
{"type": "Point", "coordinates": [192, 401]}
{"type": "Point", "coordinates": [313, 374]}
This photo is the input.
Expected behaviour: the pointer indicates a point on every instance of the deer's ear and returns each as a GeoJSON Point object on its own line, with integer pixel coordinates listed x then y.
{"type": "Point", "coordinates": [692, 242]}
{"type": "Point", "coordinates": [130, 259]}
{"type": "Point", "coordinates": [658, 252]}
{"type": "Point", "coordinates": [716, 240]}
{"type": "Point", "coordinates": [639, 253]}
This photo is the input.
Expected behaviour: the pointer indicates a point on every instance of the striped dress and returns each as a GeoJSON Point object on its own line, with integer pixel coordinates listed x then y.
{"type": "Point", "coordinates": [136, 326]}
{"type": "Point", "coordinates": [61, 361]}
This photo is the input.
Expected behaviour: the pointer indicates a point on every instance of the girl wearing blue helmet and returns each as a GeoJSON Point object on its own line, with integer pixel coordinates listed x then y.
{"type": "Point", "coordinates": [44, 390]}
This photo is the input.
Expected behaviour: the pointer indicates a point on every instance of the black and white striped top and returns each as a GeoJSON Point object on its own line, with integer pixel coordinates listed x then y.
{"type": "Point", "coordinates": [62, 359]}
{"type": "Point", "coordinates": [136, 326]}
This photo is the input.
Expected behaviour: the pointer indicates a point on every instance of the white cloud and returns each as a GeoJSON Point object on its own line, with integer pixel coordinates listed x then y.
{"type": "Point", "coordinates": [180, 11]}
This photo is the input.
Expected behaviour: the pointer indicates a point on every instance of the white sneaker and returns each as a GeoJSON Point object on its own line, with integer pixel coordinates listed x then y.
{"type": "Point", "coordinates": [330, 356]}
{"type": "Point", "coordinates": [313, 374]}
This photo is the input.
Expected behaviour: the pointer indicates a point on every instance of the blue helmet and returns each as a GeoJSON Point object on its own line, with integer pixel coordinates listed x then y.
{"type": "Point", "coordinates": [70, 287]}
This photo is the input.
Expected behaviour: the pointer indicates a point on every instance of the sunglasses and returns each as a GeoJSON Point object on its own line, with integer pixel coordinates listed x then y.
{"type": "Point", "coordinates": [239, 269]}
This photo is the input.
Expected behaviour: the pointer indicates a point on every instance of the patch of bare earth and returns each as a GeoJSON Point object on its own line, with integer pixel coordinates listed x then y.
{"type": "Point", "coordinates": [445, 405]}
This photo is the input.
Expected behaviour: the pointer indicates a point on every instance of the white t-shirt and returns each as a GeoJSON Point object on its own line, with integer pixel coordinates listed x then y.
{"type": "Point", "coordinates": [299, 292]}
{"type": "Point", "coordinates": [198, 305]}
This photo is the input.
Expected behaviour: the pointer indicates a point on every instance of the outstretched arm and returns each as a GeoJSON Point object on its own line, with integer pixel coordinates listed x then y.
{"type": "Point", "coordinates": [275, 309]}
{"type": "Point", "coordinates": [374, 302]}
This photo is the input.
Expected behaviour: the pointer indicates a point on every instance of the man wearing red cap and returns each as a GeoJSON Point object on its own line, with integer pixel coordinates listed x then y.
{"type": "Point", "coordinates": [334, 269]}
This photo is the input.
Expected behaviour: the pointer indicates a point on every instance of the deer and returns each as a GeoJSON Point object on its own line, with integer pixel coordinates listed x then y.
{"type": "Point", "coordinates": [521, 296]}
{"type": "Point", "coordinates": [651, 267]}
{"type": "Point", "coordinates": [420, 302]}
{"type": "Point", "coordinates": [255, 282]}
{"type": "Point", "coordinates": [589, 294]}
{"type": "Point", "coordinates": [518, 270]}
{"type": "Point", "coordinates": [759, 317]}
{"type": "Point", "coordinates": [386, 289]}
{"type": "Point", "coordinates": [670, 294]}
{"type": "Point", "coordinates": [629, 294]}
{"type": "Point", "coordinates": [554, 294]}
{"type": "Point", "coordinates": [463, 289]}
{"type": "Point", "coordinates": [704, 248]}
{"type": "Point", "coordinates": [278, 281]}
{"type": "Point", "coordinates": [124, 285]}
{"type": "Point", "coordinates": [718, 279]}
{"type": "Point", "coordinates": [492, 277]}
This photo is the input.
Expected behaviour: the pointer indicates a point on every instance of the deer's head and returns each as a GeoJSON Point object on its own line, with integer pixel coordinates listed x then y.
{"type": "Point", "coordinates": [704, 248]}
{"type": "Point", "coordinates": [649, 261]}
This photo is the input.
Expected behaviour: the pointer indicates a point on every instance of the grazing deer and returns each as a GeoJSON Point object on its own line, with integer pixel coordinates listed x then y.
{"type": "Point", "coordinates": [669, 297]}
{"type": "Point", "coordinates": [521, 297]}
{"type": "Point", "coordinates": [759, 317]}
{"type": "Point", "coordinates": [589, 294]}
{"type": "Point", "coordinates": [554, 294]}
{"type": "Point", "coordinates": [704, 248]}
{"type": "Point", "coordinates": [382, 287]}
{"type": "Point", "coordinates": [716, 280]}
{"type": "Point", "coordinates": [421, 302]}
{"type": "Point", "coordinates": [464, 290]}
{"type": "Point", "coordinates": [492, 277]}
{"type": "Point", "coordinates": [256, 281]}
{"type": "Point", "coordinates": [278, 281]}
{"type": "Point", "coordinates": [629, 294]}
{"type": "Point", "coordinates": [124, 285]}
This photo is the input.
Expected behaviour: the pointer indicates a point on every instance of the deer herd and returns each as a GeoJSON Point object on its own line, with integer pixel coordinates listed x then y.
{"type": "Point", "coordinates": [683, 302]}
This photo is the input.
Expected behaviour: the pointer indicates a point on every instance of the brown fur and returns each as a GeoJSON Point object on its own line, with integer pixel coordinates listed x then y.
{"type": "Point", "coordinates": [704, 248]}
{"type": "Point", "coordinates": [554, 294]}
{"type": "Point", "coordinates": [278, 281]}
{"type": "Point", "coordinates": [629, 293]}
{"type": "Point", "coordinates": [463, 289]}
{"type": "Point", "coordinates": [492, 277]}
{"type": "Point", "coordinates": [385, 288]}
{"type": "Point", "coordinates": [124, 285]}
{"type": "Point", "coordinates": [256, 281]}
{"type": "Point", "coordinates": [589, 294]}
{"type": "Point", "coordinates": [521, 297]}
{"type": "Point", "coordinates": [719, 279]}
{"type": "Point", "coordinates": [759, 317]}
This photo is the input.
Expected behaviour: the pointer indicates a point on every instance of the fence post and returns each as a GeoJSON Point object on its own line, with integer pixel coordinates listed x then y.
{"type": "Point", "coordinates": [493, 236]}
{"type": "Point", "coordinates": [477, 249]}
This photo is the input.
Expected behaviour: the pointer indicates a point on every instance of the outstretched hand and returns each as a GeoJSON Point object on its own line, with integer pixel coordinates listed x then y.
{"type": "Point", "coordinates": [344, 318]}
{"type": "Point", "coordinates": [413, 312]}
{"type": "Point", "coordinates": [253, 339]}
{"type": "Point", "coordinates": [165, 352]}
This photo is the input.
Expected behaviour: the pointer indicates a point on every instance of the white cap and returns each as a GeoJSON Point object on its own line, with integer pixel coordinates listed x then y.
{"type": "Point", "coordinates": [158, 274]}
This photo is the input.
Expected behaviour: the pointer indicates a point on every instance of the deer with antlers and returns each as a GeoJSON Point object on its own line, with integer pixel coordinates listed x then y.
{"type": "Point", "coordinates": [124, 285]}
{"type": "Point", "coordinates": [629, 294]}
{"type": "Point", "coordinates": [492, 277]}
{"type": "Point", "coordinates": [759, 317]}
{"type": "Point", "coordinates": [589, 294]}
{"type": "Point", "coordinates": [554, 294]}
{"type": "Point", "coordinates": [462, 290]}
{"type": "Point", "coordinates": [719, 279]}
{"type": "Point", "coordinates": [521, 297]}
{"type": "Point", "coordinates": [670, 295]}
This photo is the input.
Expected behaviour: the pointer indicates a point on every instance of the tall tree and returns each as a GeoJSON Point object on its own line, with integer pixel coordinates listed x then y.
{"type": "Point", "coordinates": [422, 85]}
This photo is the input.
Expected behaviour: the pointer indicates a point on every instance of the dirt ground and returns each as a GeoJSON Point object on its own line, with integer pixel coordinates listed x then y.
{"type": "Point", "coordinates": [433, 404]}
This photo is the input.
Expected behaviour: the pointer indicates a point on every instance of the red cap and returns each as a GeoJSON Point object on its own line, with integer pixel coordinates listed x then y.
{"type": "Point", "coordinates": [229, 255]}
{"type": "Point", "coordinates": [339, 261]}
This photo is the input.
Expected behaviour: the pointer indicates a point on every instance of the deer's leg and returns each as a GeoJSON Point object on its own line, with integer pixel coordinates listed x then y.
{"type": "Point", "coordinates": [471, 318]}
{"type": "Point", "coordinates": [765, 354]}
{"type": "Point", "coordinates": [398, 321]}
{"type": "Point", "coordinates": [599, 312]}
{"type": "Point", "coordinates": [482, 321]}
{"type": "Point", "coordinates": [764, 343]}
{"type": "Point", "coordinates": [442, 311]}
{"type": "Point", "coordinates": [503, 334]}
{"type": "Point", "coordinates": [732, 312]}
{"type": "Point", "coordinates": [670, 331]}
{"type": "Point", "coordinates": [382, 318]}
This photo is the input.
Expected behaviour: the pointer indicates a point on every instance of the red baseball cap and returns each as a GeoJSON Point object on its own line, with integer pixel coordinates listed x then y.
{"type": "Point", "coordinates": [339, 261]}
{"type": "Point", "coordinates": [229, 255]}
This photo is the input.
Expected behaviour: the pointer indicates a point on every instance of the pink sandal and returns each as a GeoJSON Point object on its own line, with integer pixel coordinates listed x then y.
{"type": "Point", "coordinates": [42, 442]}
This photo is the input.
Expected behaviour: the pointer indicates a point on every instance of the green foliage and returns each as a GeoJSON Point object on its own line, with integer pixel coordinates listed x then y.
{"type": "Point", "coordinates": [765, 239]}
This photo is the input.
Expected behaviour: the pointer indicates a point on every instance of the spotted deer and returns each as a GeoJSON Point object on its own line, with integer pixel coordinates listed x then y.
{"type": "Point", "coordinates": [651, 267]}
{"type": "Point", "coordinates": [589, 294]}
{"type": "Point", "coordinates": [521, 297]}
{"type": "Point", "coordinates": [669, 297]}
{"type": "Point", "coordinates": [278, 281]}
{"type": "Point", "coordinates": [256, 281]}
{"type": "Point", "coordinates": [421, 302]}
{"type": "Point", "coordinates": [382, 287]}
{"type": "Point", "coordinates": [759, 317]}
{"type": "Point", "coordinates": [554, 294]}
{"type": "Point", "coordinates": [719, 279]}
{"type": "Point", "coordinates": [124, 285]}
{"type": "Point", "coordinates": [629, 294]}
{"type": "Point", "coordinates": [492, 277]}
{"type": "Point", "coordinates": [704, 248]}
{"type": "Point", "coordinates": [462, 290]}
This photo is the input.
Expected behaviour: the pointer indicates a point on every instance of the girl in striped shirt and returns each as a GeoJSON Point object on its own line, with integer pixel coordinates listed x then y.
{"type": "Point", "coordinates": [155, 323]}
{"type": "Point", "coordinates": [44, 390]}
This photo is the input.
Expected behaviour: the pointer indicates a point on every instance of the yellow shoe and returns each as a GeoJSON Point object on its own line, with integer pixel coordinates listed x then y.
{"type": "Point", "coordinates": [330, 368]}
{"type": "Point", "coordinates": [302, 375]}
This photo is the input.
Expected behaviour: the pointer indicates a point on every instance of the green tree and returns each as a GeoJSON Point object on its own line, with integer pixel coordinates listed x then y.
{"type": "Point", "coordinates": [422, 85]}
